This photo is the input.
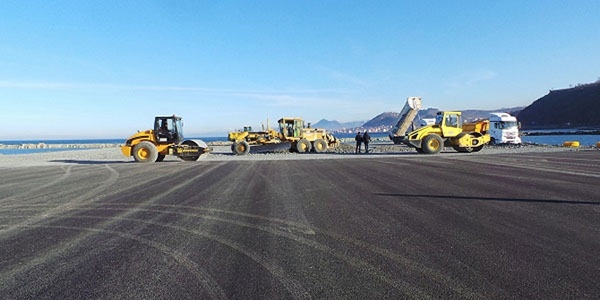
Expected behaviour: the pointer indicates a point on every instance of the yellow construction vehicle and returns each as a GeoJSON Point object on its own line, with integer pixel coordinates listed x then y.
{"type": "Point", "coordinates": [292, 136]}
{"type": "Point", "coordinates": [407, 115]}
{"type": "Point", "coordinates": [303, 138]}
{"type": "Point", "coordinates": [165, 139]}
{"type": "Point", "coordinates": [449, 131]}
{"type": "Point", "coordinates": [259, 141]}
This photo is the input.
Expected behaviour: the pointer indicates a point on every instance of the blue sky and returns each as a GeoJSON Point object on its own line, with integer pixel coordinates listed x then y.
{"type": "Point", "coordinates": [104, 69]}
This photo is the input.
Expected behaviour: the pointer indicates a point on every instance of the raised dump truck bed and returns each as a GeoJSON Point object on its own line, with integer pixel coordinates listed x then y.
{"type": "Point", "coordinates": [407, 116]}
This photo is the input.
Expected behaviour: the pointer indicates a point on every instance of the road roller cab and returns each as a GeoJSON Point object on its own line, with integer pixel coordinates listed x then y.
{"type": "Point", "coordinates": [166, 138]}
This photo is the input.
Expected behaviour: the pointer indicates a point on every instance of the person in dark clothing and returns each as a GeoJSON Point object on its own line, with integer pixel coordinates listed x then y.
{"type": "Point", "coordinates": [366, 138]}
{"type": "Point", "coordinates": [358, 140]}
{"type": "Point", "coordinates": [163, 130]}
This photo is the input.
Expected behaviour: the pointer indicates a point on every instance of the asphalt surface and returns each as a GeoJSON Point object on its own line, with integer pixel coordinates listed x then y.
{"type": "Point", "coordinates": [503, 226]}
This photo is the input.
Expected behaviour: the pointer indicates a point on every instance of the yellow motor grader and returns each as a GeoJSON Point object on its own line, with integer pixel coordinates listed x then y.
{"type": "Point", "coordinates": [293, 135]}
{"type": "Point", "coordinates": [304, 138]}
{"type": "Point", "coordinates": [259, 141]}
{"type": "Point", "coordinates": [166, 138]}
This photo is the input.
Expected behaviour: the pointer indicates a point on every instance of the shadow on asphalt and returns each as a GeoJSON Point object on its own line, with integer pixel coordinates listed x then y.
{"type": "Point", "coordinates": [490, 199]}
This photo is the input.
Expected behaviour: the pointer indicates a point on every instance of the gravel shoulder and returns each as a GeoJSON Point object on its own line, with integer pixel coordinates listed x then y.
{"type": "Point", "coordinates": [221, 152]}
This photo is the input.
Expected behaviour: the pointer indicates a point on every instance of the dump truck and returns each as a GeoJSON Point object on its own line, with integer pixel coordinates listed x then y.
{"type": "Point", "coordinates": [293, 135]}
{"type": "Point", "coordinates": [166, 138]}
{"type": "Point", "coordinates": [449, 131]}
{"type": "Point", "coordinates": [407, 115]}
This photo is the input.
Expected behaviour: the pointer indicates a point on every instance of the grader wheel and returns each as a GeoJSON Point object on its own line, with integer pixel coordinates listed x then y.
{"type": "Point", "coordinates": [241, 148]}
{"type": "Point", "coordinates": [303, 146]}
{"type": "Point", "coordinates": [320, 145]}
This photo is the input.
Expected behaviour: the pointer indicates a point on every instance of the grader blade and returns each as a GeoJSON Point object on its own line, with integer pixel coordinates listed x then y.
{"type": "Point", "coordinates": [271, 148]}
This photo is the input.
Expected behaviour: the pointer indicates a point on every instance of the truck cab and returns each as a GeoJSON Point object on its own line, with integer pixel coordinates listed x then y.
{"type": "Point", "coordinates": [504, 129]}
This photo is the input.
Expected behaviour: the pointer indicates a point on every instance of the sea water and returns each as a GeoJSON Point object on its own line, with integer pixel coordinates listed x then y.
{"type": "Point", "coordinates": [12, 151]}
{"type": "Point", "coordinates": [584, 139]}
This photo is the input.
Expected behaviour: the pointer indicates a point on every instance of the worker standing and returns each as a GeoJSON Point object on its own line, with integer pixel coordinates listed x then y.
{"type": "Point", "coordinates": [366, 138]}
{"type": "Point", "coordinates": [359, 139]}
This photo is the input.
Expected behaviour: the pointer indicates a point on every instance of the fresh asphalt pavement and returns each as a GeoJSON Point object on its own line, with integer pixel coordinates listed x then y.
{"type": "Point", "coordinates": [415, 226]}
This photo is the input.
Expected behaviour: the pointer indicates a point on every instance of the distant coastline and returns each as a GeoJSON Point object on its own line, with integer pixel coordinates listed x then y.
{"type": "Point", "coordinates": [560, 132]}
{"type": "Point", "coordinates": [587, 137]}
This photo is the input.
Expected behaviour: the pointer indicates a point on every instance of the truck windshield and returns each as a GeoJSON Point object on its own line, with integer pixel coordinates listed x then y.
{"type": "Point", "coordinates": [506, 124]}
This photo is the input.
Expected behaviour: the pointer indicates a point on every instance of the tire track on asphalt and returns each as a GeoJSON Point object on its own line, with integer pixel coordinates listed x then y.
{"type": "Point", "coordinates": [306, 229]}
{"type": "Point", "coordinates": [292, 226]}
{"type": "Point", "coordinates": [64, 176]}
{"type": "Point", "coordinates": [55, 210]}
{"type": "Point", "coordinates": [295, 288]}
{"type": "Point", "coordinates": [357, 263]}
{"type": "Point", "coordinates": [113, 177]}
{"type": "Point", "coordinates": [210, 285]}
{"type": "Point", "coordinates": [89, 195]}
{"type": "Point", "coordinates": [525, 166]}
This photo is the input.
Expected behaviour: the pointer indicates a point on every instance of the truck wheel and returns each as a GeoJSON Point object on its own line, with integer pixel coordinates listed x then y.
{"type": "Point", "coordinates": [303, 146]}
{"type": "Point", "coordinates": [145, 152]}
{"type": "Point", "coordinates": [160, 157]}
{"type": "Point", "coordinates": [241, 148]}
{"type": "Point", "coordinates": [432, 144]}
{"type": "Point", "coordinates": [320, 145]}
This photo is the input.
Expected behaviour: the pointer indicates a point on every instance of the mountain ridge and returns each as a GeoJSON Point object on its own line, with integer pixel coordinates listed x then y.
{"type": "Point", "coordinates": [383, 122]}
{"type": "Point", "coordinates": [572, 107]}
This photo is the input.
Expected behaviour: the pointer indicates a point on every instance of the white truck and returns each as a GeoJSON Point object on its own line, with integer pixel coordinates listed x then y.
{"type": "Point", "coordinates": [504, 129]}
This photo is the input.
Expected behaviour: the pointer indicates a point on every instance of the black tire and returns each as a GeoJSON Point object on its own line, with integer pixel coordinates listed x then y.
{"type": "Point", "coordinates": [320, 145]}
{"type": "Point", "coordinates": [303, 146]}
{"type": "Point", "coordinates": [160, 157]}
{"type": "Point", "coordinates": [193, 157]}
{"type": "Point", "coordinates": [145, 152]}
{"type": "Point", "coordinates": [241, 148]}
{"type": "Point", "coordinates": [432, 144]}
